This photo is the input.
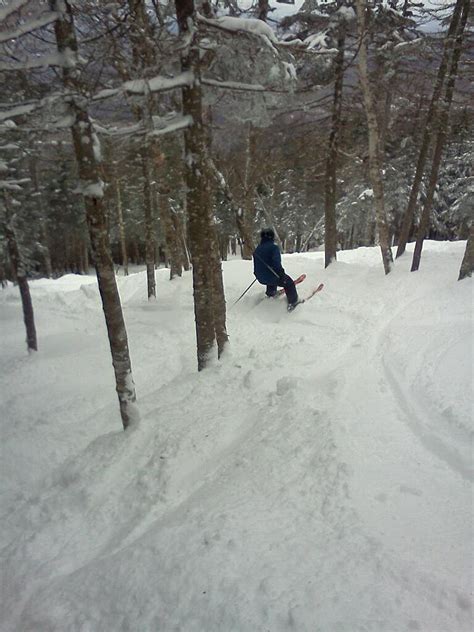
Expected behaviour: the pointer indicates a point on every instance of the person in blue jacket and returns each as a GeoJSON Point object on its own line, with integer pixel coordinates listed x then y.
{"type": "Point", "coordinates": [268, 269]}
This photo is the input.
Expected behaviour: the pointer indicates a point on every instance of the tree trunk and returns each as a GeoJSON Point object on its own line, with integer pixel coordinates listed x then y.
{"type": "Point", "coordinates": [208, 294]}
{"type": "Point", "coordinates": [246, 213]}
{"type": "Point", "coordinates": [143, 56]}
{"type": "Point", "coordinates": [239, 213]}
{"type": "Point", "coordinates": [428, 130]}
{"type": "Point", "coordinates": [121, 227]}
{"type": "Point", "coordinates": [386, 74]}
{"type": "Point", "coordinates": [467, 265]}
{"type": "Point", "coordinates": [219, 306]}
{"type": "Point", "coordinates": [173, 247]}
{"type": "Point", "coordinates": [268, 216]}
{"type": "Point", "coordinates": [19, 273]}
{"type": "Point", "coordinates": [42, 221]}
{"type": "Point", "coordinates": [171, 238]}
{"type": "Point", "coordinates": [149, 224]}
{"type": "Point", "coordinates": [263, 9]}
{"type": "Point", "coordinates": [440, 139]}
{"type": "Point", "coordinates": [223, 246]}
{"type": "Point", "coordinates": [330, 232]}
{"type": "Point", "coordinates": [85, 250]}
{"type": "Point", "coordinates": [374, 139]}
{"type": "Point", "coordinates": [180, 232]}
{"type": "Point", "coordinates": [88, 159]}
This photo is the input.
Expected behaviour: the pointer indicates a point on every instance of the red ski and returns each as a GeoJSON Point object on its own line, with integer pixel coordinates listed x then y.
{"type": "Point", "coordinates": [300, 279]}
{"type": "Point", "coordinates": [303, 300]}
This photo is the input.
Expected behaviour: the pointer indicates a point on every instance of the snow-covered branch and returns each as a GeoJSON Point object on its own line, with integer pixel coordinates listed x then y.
{"type": "Point", "coordinates": [169, 124]}
{"type": "Point", "coordinates": [15, 5]}
{"type": "Point", "coordinates": [29, 27]}
{"type": "Point", "coordinates": [145, 86]}
{"type": "Point", "coordinates": [19, 110]}
{"type": "Point", "coordinates": [13, 185]}
{"type": "Point", "coordinates": [263, 31]}
{"type": "Point", "coordinates": [251, 26]}
{"type": "Point", "coordinates": [158, 84]}
{"type": "Point", "coordinates": [62, 60]}
{"type": "Point", "coordinates": [235, 85]}
{"type": "Point", "coordinates": [161, 125]}
{"type": "Point", "coordinates": [403, 46]}
{"type": "Point", "coordinates": [318, 41]}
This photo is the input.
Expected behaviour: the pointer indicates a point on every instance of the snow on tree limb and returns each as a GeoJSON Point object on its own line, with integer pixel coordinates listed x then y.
{"type": "Point", "coordinates": [91, 189]}
{"type": "Point", "coordinates": [13, 185]}
{"type": "Point", "coordinates": [19, 110]}
{"type": "Point", "coordinates": [121, 131]}
{"type": "Point", "coordinates": [262, 30]}
{"type": "Point", "coordinates": [145, 86]}
{"type": "Point", "coordinates": [107, 93]}
{"type": "Point", "coordinates": [234, 85]}
{"type": "Point", "coordinates": [8, 186]}
{"type": "Point", "coordinates": [62, 60]}
{"type": "Point", "coordinates": [167, 125]}
{"type": "Point", "coordinates": [319, 41]}
{"type": "Point", "coordinates": [15, 5]}
{"type": "Point", "coordinates": [161, 125]}
{"type": "Point", "coordinates": [158, 84]}
{"type": "Point", "coordinates": [403, 46]}
{"type": "Point", "coordinates": [243, 25]}
{"type": "Point", "coordinates": [29, 27]}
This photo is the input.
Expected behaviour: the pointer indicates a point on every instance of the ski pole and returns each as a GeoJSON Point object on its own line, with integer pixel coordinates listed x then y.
{"type": "Point", "coordinates": [243, 293]}
{"type": "Point", "coordinates": [266, 265]}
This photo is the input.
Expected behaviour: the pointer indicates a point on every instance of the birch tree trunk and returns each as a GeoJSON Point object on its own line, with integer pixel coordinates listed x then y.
{"type": "Point", "coordinates": [208, 293]}
{"type": "Point", "coordinates": [440, 139]}
{"type": "Point", "coordinates": [330, 232]}
{"type": "Point", "coordinates": [467, 265]}
{"type": "Point", "coordinates": [87, 154]}
{"type": "Point", "coordinates": [19, 273]}
{"type": "Point", "coordinates": [374, 139]}
{"type": "Point", "coordinates": [428, 131]}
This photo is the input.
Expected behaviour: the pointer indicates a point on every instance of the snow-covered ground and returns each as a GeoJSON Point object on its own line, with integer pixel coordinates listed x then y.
{"type": "Point", "coordinates": [317, 479]}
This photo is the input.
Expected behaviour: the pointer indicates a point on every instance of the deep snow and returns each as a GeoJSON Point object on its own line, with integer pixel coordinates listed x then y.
{"type": "Point", "coordinates": [317, 479]}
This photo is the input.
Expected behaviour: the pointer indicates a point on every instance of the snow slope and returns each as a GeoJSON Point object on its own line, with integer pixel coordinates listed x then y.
{"type": "Point", "coordinates": [317, 479]}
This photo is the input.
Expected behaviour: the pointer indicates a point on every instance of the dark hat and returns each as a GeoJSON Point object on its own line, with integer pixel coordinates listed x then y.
{"type": "Point", "coordinates": [267, 234]}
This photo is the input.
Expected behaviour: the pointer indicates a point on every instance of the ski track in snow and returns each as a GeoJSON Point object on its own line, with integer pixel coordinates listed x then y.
{"type": "Point", "coordinates": [317, 479]}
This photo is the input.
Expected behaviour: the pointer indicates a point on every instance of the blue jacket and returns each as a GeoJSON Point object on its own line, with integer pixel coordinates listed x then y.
{"type": "Point", "coordinates": [267, 253]}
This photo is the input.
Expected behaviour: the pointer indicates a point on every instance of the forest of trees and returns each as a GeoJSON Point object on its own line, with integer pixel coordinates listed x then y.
{"type": "Point", "coordinates": [168, 133]}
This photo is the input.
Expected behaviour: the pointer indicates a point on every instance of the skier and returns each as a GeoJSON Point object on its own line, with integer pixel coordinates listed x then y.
{"type": "Point", "coordinates": [269, 271]}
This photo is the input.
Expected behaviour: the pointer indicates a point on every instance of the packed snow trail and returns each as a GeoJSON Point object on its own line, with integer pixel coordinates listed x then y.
{"type": "Point", "coordinates": [317, 479]}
